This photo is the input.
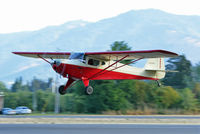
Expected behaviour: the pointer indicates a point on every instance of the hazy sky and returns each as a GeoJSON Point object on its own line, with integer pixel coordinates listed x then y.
{"type": "Point", "coordinates": [22, 15]}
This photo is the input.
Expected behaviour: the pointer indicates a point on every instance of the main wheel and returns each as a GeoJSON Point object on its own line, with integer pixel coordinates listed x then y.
{"type": "Point", "coordinates": [88, 90]}
{"type": "Point", "coordinates": [61, 90]}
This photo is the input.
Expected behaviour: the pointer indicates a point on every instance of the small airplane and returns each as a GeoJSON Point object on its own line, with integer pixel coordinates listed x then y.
{"type": "Point", "coordinates": [104, 65]}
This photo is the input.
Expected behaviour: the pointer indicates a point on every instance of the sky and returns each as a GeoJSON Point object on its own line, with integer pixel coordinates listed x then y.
{"type": "Point", "coordinates": [30, 15]}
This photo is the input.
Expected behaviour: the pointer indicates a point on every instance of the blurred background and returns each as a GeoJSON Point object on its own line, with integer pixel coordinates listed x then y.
{"type": "Point", "coordinates": [81, 26]}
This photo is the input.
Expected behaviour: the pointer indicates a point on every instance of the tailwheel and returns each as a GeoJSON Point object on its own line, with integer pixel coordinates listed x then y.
{"type": "Point", "coordinates": [88, 90]}
{"type": "Point", "coordinates": [61, 90]}
{"type": "Point", "coordinates": [158, 83]}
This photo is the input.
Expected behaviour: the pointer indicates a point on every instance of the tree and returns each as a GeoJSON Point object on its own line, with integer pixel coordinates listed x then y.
{"type": "Point", "coordinates": [10, 100]}
{"type": "Point", "coordinates": [45, 101]}
{"type": "Point", "coordinates": [183, 77]}
{"type": "Point", "coordinates": [167, 97]}
{"type": "Point", "coordinates": [3, 87]}
{"type": "Point", "coordinates": [196, 72]}
{"type": "Point", "coordinates": [114, 97]}
{"type": "Point", "coordinates": [24, 98]}
{"type": "Point", "coordinates": [119, 46]}
{"type": "Point", "coordinates": [188, 102]}
{"type": "Point", "coordinates": [37, 84]}
{"type": "Point", "coordinates": [141, 94]}
{"type": "Point", "coordinates": [196, 90]}
{"type": "Point", "coordinates": [17, 85]}
{"type": "Point", "coordinates": [20, 98]}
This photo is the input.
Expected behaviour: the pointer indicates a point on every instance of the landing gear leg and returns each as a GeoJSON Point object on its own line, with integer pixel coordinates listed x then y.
{"type": "Point", "coordinates": [62, 89]}
{"type": "Point", "coordinates": [88, 89]}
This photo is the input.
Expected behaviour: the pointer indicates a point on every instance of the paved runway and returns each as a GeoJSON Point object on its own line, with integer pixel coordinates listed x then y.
{"type": "Point", "coordinates": [106, 116]}
{"type": "Point", "coordinates": [97, 129]}
{"type": "Point", "coordinates": [101, 119]}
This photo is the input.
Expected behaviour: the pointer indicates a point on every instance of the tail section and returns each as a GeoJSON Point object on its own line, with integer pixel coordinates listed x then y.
{"type": "Point", "coordinates": [154, 64]}
{"type": "Point", "coordinates": [157, 66]}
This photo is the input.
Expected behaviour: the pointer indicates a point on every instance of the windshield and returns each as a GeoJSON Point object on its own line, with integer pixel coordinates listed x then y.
{"type": "Point", "coordinates": [77, 56]}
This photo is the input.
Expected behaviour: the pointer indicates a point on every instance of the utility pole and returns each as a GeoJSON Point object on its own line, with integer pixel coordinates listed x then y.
{"type": "Point", "coordinates": [34, 100]}
{"type": "Point", "coordinates": [57, 96]}
{"type": "Point", "coordinates": [1, 100]}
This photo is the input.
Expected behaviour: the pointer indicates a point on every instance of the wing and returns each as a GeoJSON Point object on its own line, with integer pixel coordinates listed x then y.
{"type": "Point", "coordinates": [53, 55]}
{"type": "Point", "coordinates": [110, 55]}
{"type": "Point", "coordinates": [116, 55]}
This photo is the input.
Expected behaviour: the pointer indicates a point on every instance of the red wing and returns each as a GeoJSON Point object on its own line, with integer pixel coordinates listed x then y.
{"type": "Point", "coordinates": [53, 55]}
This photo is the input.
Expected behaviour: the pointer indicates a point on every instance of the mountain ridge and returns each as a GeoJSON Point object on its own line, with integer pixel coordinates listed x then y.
{"type": "Point", "coordinates": [141, 29]}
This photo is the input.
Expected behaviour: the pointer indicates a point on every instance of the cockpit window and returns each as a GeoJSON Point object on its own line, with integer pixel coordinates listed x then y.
{"type": "Point", "coordinates": [93, 62]}
{"type": "Point", "coordinates": [58, 62]}
{"type": "Point", "coordinates": [77, 56]}
{"type": "Point", "coordinates": [103, 63]}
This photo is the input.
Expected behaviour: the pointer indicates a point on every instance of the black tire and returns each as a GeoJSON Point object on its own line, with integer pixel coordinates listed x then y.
{"type": "Point", "coordinates": [159, 84]}
{"type": "Point", "coordinates": [61, 90]}
{"type": "Point", "coordinates": [88, 90]}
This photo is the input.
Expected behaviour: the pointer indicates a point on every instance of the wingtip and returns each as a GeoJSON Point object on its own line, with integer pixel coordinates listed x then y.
{"type": "Point", "coordinates": [16, 52]}
{"type": "Point", "coordinates": [169, 52]}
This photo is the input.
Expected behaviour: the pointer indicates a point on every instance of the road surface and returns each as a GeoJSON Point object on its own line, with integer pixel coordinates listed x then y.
{"type": "Point", "coordinates": [98, 129]}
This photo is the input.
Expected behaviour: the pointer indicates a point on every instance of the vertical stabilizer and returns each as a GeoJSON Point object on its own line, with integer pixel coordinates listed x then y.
{"type": "Point", "coordinates": [157, 66]}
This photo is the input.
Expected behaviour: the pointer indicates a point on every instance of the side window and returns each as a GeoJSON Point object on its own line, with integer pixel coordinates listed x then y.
{"type": "Point", "coordinates": [93, 62]}
{"type": "Point", "coordinates": [103, 63]}
{"type": "Point", "coordinates": [90, 61]}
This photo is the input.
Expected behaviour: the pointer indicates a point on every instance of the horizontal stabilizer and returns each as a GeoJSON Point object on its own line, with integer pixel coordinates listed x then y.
{"type": "Point", "coordinates": [167, 71]}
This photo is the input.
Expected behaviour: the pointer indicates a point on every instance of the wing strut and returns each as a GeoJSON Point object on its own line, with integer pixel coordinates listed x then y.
{"type": "Point", "coordinates": [95, 75]}
{"type": "Point", "coordinates": [43, 59]}
{"type": "Point", "coordinates": [117, 67]}
{"type": "Point", "coordinates": [125, 64]}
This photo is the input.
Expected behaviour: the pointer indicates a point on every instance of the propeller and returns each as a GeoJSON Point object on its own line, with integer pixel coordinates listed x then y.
{"type": "Point", "coordinates": [55, 64]}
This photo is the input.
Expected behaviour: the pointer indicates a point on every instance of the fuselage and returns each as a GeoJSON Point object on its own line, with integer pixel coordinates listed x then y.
{"type": "Point", "coordinates": [103, 65]}
{"type": "Point", "coordinates": [82, 69]}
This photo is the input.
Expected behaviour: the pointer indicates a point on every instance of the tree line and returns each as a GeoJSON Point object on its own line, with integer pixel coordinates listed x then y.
{"type": "Point", "coordinates": [180, 93]}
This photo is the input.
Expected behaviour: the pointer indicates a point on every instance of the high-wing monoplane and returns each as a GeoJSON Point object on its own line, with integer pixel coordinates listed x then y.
{"type": "Point", "coordinates": [103, 65]}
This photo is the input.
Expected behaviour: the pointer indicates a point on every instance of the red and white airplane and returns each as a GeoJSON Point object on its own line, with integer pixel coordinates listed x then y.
{"type": "Point", "coordinates": [104, 65]}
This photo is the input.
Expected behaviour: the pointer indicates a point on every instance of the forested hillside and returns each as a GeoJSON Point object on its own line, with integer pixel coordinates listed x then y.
{"type": "Point", "coordinates": [142, 29]}
{"type": "Point", "coordinates": [179, 93]}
